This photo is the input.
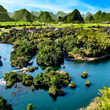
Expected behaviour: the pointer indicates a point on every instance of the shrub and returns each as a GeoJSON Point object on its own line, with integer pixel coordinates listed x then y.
{"type": "Point", "coordinates": [63, 66]}
{"type": "Point", "coordinates": [61, 92]}
{"type": "Point", "coordinates": [8, 85]}
{"type": "Point", "coordinates": [53, 90]}
{"type": "Point", "coordinates": [84, 74]}
{"type": "Point", "coordinates": [72, 84]}
{"type": "Point", "coordinates": [88, 83]}
{"type": "Point", "coordinates": [30, 107]}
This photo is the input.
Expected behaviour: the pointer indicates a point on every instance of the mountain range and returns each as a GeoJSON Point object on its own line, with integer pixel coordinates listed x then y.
{"type": "Point", "coordinates": [60, 16]}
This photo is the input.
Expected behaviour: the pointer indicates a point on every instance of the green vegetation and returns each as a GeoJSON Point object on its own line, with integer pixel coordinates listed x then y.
{"type": "Point", "coordinates": [88, 83]}
{"type": "Point", "coordinates": [61, 14]}
{"type": "Point", "coordinates": [3, 15]}
{"type": "Point", "coordinates": [72, 84]}
{"type": "Point", "coordinates": [84, 74]}
{"type": "Point", "coordinates": [45, 17]}
{"type": "Point", "coordinates": [73, 17]}
{"type": "Point", "coordinates": [90, 43]}
{"type": "Point", "coordinates": [53, 90]}
{"type": "Point", "coordinates": [3, 105]}
{"type": "Point", "coordinates": [88, 19]}
{"type": "Point", "coordinates": [23, 15]}
{"type": "Point", "coordinates": [52, 79]}
{"type": "Point", "coordinates": [32, 68]}
{"type": "Point", "coordinates": [12, 77]}
{"type": "Point", "coordinates": [100, 103]}
{"type": "Point", "coordinates": [8, 85]}
{"type": "Point", "coordinates": [50, 44]}
{"type": "Point", "coordinates": [30, 107]}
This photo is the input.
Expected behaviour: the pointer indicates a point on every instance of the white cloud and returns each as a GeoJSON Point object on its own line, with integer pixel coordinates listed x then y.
{"type": "Point", "coordinates": [57, 5]}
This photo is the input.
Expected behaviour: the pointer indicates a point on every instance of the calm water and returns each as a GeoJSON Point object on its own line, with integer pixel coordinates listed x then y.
{"type": "Point", "coordinates": [99, 75]}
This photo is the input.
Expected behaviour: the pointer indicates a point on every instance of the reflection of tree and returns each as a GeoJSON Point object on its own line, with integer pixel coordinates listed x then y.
{"type": "Point", "coordinates": [53, 97]}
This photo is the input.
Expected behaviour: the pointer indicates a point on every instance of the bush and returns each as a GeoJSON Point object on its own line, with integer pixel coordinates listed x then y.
{"type": "Point", "coordinates": [61, 92]}
{"type": "Point", "coordinates": [84, 74]}
{"type": "Point", "coordinates": [63, 66]}
{"type": "Point", "coordinates": [88, 83]}
{"type": "Point", "coordinates": [11, 77]}
{"type": "Point", "coordinates": [72, 84]}
{"type": "Point", "coordinates": [8, 85]}
{"type": "Point", "coordinates": [31, 69]}
{"type": "Point", "coordinates": [53, 90]}
{"type": "Point", "coordinates": [30, 107]}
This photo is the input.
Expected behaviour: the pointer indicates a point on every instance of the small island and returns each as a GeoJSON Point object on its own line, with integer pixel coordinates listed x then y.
{"type": "Point", "coordinates": [52, 79]}
{"type": "Point", "coordinates": [84, 74]}
{"type": "Point", "coordinates": [88, 83]}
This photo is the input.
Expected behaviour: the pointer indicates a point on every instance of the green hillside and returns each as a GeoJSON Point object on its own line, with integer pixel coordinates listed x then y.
{"type": "Point", "coordinates": [53, 16]}
{"type": "Point", "coordinates": [88, 19]}
{"type": "Point", "coordinates": [73, 17]}
{"type": "Point", "coordinates": [61, 14]}
{"type": "Point", "coordinates": [4, 15]}
{"type": "Point", "coordinates": [45, 17]}
{"type": "Point", "coordinates": [98, 17]}
{"type": "Point", "coordinates": [11, 14]}
{"type": "Point", "coordinates": [23, 15]}
{"type": "Point", "coordinates": [35, 13]}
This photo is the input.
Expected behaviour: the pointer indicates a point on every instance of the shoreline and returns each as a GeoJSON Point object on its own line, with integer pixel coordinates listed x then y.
{"type": "Point", "coordinates": [88, 58]}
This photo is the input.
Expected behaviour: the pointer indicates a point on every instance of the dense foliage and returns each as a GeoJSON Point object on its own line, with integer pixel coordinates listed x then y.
{"type": "Point", "coordinates": [47, 43]}
{"type": "Point", "coordinates": [88, 19]}
{"type": "Point", "coordinates": [3, 105]}
{"type": "Point", "coordinates": [100, 103]}
{"type": "Point", "coordinates": [91, 43]}
{"type": "Point", "coordinates": [84, 74]}
{"type": "Point", "coordinates": [45, 17]}
{"type": "Point", "coordinates": [4, 15]}
{"type": "Point", "coordinates": [50, 44]}
{"type": "Point", "coordinates": [12, 77]}
{"type": "Point", "coordinates": [52, 79]}
{"type": "Point", "coordinates": [72, 84]}
{"type": "Point", "coordinates": [73, 17]}
{"type": "Point", "coordinates": [88, 83]}
{"type": "Point", "coordinates": [23, 15]}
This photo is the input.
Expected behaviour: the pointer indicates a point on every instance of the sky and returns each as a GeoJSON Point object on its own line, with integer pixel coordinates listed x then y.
{"type": "Point", "coordinates": [54, 6]}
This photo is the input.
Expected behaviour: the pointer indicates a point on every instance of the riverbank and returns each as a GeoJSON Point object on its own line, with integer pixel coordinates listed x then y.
{"type": "Point", "coordinates": [87, 58]}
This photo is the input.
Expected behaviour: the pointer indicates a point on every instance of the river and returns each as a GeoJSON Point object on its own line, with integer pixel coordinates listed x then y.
{"type": "Point", "coordinates": [99, 75]}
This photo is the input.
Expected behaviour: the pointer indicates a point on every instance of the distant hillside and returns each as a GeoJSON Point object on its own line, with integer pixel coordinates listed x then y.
{"type": "Point", "coordinates": [53, 16]}
{"type": "Point", "coordinates": [45, 17]}
{"type": "Point", "coordinates": [73, 17]}
{"type": "Point", "coordinates": [4, 15]}
{"type": "Point", "coordinates": [11, 14]}
{"type": "Point", "coordinates": [88, 13]}
{"type": "Point", "coordinates": [23, 15]}
{"type": "Point", "coordinates": [98, 17]}
{"type": "Point", "coordinates": [101, 17]}
{"type": "Point", "coordinates": [35, 13]}
{"type": "Point", "coordinates": [88, 19]}
{"type": "Point", "coordinates": [83, 15]}
{"type": "Point", "coordinates": [61, 14]}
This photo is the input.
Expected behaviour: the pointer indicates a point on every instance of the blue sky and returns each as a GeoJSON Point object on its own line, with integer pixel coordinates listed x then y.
{"type": "Point", "coordinates": [57, 5]}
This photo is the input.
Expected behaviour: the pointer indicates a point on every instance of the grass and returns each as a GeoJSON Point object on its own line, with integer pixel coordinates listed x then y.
{"type": "Point", "coordinates": [59, 25]}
